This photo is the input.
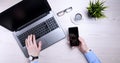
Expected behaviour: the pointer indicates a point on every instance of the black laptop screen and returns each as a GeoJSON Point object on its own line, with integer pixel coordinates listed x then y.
{"type": "Point", "coordinates": [22, 13]}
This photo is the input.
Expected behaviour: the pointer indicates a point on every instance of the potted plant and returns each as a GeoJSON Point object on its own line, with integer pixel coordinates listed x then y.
{"type": "Point", "coordinates": [96, 8]}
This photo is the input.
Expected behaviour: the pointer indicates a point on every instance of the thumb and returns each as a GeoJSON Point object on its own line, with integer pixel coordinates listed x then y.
{"type": "Point", "coordinates": [81, 40]}
{"type": "Point", "coordinates": [39, 45]}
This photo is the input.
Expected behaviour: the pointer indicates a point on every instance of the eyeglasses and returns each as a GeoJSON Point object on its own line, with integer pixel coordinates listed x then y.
{"type": "Point", "coordinates": [67, 10]}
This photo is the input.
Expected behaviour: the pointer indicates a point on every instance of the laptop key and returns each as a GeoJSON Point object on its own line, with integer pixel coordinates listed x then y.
{"type": "Point", "coordinates": [39, 30]}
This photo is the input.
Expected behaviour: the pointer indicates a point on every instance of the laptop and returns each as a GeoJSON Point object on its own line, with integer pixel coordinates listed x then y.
{"type": "Point", "coordinates": [32, 17]}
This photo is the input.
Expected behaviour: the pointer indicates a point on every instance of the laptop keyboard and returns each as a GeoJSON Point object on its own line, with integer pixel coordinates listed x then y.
{"type": "Point", "coordinates": [39, 30]}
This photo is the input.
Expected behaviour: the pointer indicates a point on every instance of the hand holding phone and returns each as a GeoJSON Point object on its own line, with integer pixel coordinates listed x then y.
{"type": "Point", "coordinates": [73, 36]}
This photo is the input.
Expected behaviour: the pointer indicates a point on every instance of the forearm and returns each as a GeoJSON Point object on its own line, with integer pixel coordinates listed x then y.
{"type": "Point", "coordinates": [91, 57]}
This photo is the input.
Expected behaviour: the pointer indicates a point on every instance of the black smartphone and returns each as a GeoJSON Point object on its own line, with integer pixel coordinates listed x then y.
{"type": "Point", "coordinates": [73, 36]}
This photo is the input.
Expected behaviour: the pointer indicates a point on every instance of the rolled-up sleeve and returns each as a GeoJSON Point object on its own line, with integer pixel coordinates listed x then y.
{"type": "Point", "coordinates": [91, 57]}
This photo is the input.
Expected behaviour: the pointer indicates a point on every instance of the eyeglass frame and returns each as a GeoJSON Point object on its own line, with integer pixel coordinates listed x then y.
{"type": "Point", "coordinates": [64, 11]}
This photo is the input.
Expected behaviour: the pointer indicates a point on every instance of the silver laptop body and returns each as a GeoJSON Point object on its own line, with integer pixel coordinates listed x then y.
{"type": "Point", "coordinates": [46, 29]}
{"type": "Point", "coordinates": [48, 39]}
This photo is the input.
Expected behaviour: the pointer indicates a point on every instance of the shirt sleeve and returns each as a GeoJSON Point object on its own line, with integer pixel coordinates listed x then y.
{"type": "Point", "coordinates": [35, 61]}
{"type": "Point", "coordinates": [91, 57]}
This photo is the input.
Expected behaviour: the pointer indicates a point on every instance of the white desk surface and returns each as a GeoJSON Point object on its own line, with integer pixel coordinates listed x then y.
{"type": "Point", "coordinates": [103, 35]}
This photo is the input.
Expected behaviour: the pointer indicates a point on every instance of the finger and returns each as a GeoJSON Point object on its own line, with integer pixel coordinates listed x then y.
{"type": "Point", "coordinates": [68, 38]}
{"type": "Point", "coordinates": [34, 40]}
{"type": "Point", "coordinates": [39, 45]}
{"type": "Point", "coordinates": [68, 42]}
{"type": "Point", "coordinates": [26, 43]}
{"type": "Point", "coordinates": [30, 39]}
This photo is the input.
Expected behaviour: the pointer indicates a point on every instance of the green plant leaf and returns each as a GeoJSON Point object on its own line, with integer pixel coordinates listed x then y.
{"type": "Point", "coordinates": [95, 9]}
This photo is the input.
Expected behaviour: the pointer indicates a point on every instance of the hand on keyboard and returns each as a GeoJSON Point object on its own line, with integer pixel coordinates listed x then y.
{"type": "Point", "coordinates": [31, 45]}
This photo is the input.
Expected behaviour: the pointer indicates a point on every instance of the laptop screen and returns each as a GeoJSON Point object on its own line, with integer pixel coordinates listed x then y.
{"type": "Point", "coordinates": [22, 13]}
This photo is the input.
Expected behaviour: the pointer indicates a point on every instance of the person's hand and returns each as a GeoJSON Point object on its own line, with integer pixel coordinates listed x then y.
{"type": "Point", "coordinates": [83, 47]}
{"type": "Point", "coordinates": [32, 47]}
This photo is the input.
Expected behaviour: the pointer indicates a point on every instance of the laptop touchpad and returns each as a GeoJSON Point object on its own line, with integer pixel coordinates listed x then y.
{"type": "Point", "coordinates": [54, 36]}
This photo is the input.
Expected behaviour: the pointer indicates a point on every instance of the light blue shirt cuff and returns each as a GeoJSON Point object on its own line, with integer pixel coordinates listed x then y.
{"type": "Point", "coordinates": [91, 57]}
{"type": "Point", "coordinates": [35, 61]}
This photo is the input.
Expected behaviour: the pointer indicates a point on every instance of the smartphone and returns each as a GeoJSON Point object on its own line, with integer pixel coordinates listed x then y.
{"type": "Point", "coordinates": [73, 36]}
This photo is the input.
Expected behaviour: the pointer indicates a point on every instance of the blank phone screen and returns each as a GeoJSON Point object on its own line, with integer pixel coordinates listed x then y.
{"type": "Point", "coordinates": [73, 36]}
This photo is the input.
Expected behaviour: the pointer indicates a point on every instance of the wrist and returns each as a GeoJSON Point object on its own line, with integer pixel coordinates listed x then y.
{"type": "Point", "coordinates": [32, 58]}
{"type": "Point", "coordinates": [86, 51]}
{"type": "Point", "coordinates": [34, 61]}
{"type": "Point", "coordinates": [33, 54]}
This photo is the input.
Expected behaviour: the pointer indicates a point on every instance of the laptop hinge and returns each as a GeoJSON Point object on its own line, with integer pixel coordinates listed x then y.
{"type": "Point", "coordinates": [41, 16]}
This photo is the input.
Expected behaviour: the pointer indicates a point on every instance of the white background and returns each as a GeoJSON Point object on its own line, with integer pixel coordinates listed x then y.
{"type": "Point", "coordinates": [101, 35]}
